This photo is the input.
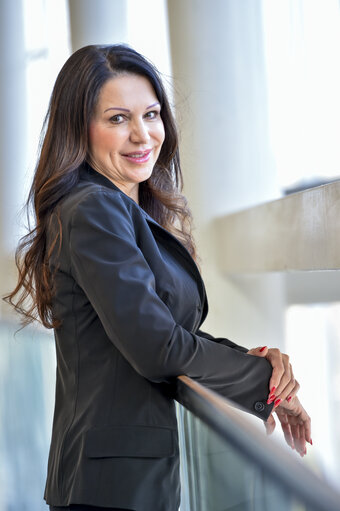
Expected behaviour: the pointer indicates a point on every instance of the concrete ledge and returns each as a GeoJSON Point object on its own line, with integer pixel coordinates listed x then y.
{"type": "Point", "coordinates": [298, 232]}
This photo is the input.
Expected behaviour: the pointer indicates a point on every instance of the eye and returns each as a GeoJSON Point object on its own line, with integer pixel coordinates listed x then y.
{"type": "Point", "coordinates": [153, 114]}
{"type": "Point", "coordinates": [117, 119]}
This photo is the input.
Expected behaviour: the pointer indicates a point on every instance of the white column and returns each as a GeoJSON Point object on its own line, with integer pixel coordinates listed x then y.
{"type": "Point", "coordinates": [13, 115]}
{"type": "Point", "coordinates": [97, 22]}
{"type": "Point", "coordinates": [220, 85]}
{"type": "Point", "coordinates": [13, 150]}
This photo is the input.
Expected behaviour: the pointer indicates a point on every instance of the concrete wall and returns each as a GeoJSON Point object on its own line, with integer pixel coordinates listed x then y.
{"type": "Point", "coordinates": [225, 151]}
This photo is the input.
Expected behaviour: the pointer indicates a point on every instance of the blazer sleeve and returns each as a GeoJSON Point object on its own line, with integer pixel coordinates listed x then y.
{"type": "Point", "coordinates": [112, 271]}
{"type": "Point", "coordinates": [223, 341]}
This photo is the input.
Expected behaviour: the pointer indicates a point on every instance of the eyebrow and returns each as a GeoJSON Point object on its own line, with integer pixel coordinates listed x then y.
{"type": "Point", "coordinates": [127, 110]}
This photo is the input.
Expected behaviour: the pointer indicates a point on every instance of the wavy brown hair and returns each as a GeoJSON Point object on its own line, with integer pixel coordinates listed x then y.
{"type": "Point", "coordinates": [65, 149]}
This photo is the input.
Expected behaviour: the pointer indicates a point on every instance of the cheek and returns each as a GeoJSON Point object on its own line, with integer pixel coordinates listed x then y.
{"type": "Point", "coordinates": [94, 137]}
{"type": "Point", "coordinates": [102, 140]}
{"type": "Point", "coordinates": [161, 134]}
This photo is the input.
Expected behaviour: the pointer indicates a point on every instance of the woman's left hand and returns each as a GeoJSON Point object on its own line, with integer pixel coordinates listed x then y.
{"type": "Point", "coordinates": [295, 423]}
{"type": "Point", "coordinates": [282, 384]}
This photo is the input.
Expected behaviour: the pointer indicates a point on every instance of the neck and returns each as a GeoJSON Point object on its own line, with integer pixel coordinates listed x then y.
{"type": "Point", "coordinates": [130, 189]}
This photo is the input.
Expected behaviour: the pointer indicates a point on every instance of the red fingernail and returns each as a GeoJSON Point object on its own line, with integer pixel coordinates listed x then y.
{"type": "Point", "coordinates": [273, 390]}
{"type": "Point", "coordinates": [277, 402]}
{"type": "Point", "coordinates": [311, 442]}
{"type": "Point", "coordinates": [270, 400]}
{"type": "Point", "coordinates": [262, 349]}
{"type": "Point", "coordinates": [289, 398]}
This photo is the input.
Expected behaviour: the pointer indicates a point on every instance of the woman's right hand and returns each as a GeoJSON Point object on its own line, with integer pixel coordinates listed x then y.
{"type": "Point", "coordinates": [282, 384]}
{"type": "Point", "coordinates": [295, 423]}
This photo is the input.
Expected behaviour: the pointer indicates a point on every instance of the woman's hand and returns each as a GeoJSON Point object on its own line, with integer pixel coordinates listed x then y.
{"type": "Point", "coordinates": [295, 423]}
{"type": "Point", "coordinates": [282, 384]}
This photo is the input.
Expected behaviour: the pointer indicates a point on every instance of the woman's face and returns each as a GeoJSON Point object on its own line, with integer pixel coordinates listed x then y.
{"type": "Point", "coordinates": [126, 132]}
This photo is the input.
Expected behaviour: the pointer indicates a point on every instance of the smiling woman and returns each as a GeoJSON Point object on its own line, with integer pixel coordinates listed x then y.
{"type": "Point", "coordinates": [110, 265]}
{"type": "Point", "coordinates": [125, 140]}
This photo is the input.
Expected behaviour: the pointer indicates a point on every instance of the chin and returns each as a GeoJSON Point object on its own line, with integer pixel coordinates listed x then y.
{"type": "Point", "coordinates": [143, 176]}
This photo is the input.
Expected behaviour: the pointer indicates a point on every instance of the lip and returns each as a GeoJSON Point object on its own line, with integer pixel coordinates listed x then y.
{"type": "Point", "coordinates": [138, 156]}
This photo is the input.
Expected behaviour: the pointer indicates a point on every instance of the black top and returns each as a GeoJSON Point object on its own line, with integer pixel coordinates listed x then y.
{"type": "Point", "coordinates": [131, 300]}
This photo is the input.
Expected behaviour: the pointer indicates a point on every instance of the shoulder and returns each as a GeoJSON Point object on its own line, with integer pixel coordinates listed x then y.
{"type": "Point", "coordinates": [89, 195]}
{"type": "Point", "coordinates": [90, 202]}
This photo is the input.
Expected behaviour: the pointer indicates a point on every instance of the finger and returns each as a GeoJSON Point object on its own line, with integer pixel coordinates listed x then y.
{"type": "Point", "coordinates": [294, 391]}
{"type": "Point", "coordinates": [302, 440]}
{"type": "Point", "coordinates": [274, 356]}
{"type": "Point", "coordinates": [291, 388]}
{"type": "Point", "coordinates": [299, 440]}
{"type": "Point", "coordinates": [287, 432]}
{"type": "Point", "coordinates": [261, 351]}
{"type": "Point", "coordinates": [307, 430]}
{"type": "Point", "coordinates": [302, 418]}
{"type": "Point", "coordinates": [287, 379]}
{"type": "Point", "coordinates": [296, 435]}
{"type": "Point", "coordinates": [270, 424]}
{"type": "Point", "coordinates": [286, 429]}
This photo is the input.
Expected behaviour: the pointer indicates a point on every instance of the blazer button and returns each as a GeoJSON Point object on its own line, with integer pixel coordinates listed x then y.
{"type": "Point", "coordinates": [259, 406]}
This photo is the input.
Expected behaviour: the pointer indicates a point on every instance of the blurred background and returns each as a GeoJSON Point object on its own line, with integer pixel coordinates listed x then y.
{"type": "Point", "coordinates": [255, 88]}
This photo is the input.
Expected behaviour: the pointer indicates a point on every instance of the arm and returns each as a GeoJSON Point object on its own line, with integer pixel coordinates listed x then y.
{"type": "Point", "coordinates": [112, 271]}
{"type": "Point", "coordinates": [282, 384]}
{"type": "Point", "coordinates": [222, 341]}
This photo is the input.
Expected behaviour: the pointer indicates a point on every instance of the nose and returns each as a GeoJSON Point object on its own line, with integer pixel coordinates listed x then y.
{"type": "Point", "coordinates": [139, 132]}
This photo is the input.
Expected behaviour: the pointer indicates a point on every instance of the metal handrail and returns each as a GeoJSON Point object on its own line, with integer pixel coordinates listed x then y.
{"type": "Point", "coordinates": [219, 413]}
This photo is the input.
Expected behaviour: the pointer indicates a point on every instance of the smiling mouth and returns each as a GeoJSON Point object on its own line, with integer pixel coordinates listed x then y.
{"type": "Point", "coordinates": [138, 156]}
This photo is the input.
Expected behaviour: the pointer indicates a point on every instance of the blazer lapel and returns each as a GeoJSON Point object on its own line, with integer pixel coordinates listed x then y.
{"type": "Point", "coordinates": [184, 253]}
{"type": "Point", "coordinates": [89, 174]}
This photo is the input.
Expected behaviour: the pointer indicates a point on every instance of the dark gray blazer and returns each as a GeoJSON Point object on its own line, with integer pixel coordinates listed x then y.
{"type": "Point", "coordinates": [131, 300]}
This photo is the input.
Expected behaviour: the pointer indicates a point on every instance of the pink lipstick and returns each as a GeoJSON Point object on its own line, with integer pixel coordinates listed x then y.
{"type": "Point", "coordinates": [138, 156]}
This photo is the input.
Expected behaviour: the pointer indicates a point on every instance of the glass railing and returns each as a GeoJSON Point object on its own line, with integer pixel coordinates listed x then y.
{"type": "Point", "coordinates": [227, 461]}
{"type": "Point", "coordinates": [27, 380]}
{"type": "Point", "coordinates": [230, 464]}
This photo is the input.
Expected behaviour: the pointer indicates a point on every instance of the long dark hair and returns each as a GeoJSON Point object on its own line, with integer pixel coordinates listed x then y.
{"type": "Point", "coordinates": [64, 149]}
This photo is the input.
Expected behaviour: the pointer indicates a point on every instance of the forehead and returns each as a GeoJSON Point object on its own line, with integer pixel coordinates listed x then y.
{"type": "Point", "coordinates": [127, 91]}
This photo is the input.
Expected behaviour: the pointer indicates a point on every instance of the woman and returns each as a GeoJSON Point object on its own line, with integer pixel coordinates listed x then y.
{"type": "Point", "coordinates": [110, 266]}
